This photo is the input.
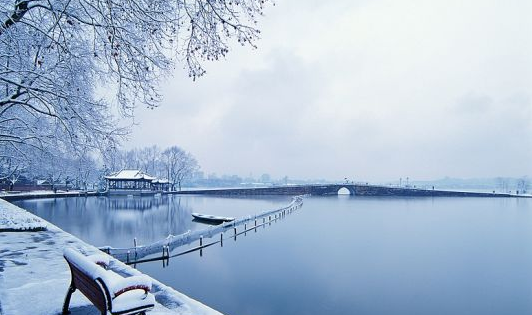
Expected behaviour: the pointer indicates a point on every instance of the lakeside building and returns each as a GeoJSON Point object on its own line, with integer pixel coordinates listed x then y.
{"type": "Point", "coordinates": [160, 184]}
{"type": "Point", "coordinates": [135, 182]}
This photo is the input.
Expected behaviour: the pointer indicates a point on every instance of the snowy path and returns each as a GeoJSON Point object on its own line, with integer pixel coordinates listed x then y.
{"type": "Point", "coordinates": [34, 277]}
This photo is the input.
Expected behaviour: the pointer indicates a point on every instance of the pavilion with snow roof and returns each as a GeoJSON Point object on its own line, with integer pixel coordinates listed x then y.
{"type": "Point", "coordinates": [134, 182]}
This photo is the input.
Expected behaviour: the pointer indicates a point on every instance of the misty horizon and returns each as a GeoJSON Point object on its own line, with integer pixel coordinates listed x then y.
{"type": "Point", "coordinates": [420, 90]}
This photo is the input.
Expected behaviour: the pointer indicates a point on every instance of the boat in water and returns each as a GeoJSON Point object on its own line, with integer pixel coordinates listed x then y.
{"type": "Point", "coordinates": [211, 218]}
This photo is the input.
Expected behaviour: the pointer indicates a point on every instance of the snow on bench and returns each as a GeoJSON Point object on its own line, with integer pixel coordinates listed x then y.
{"type": "Point", "coordinates": [108, 291]}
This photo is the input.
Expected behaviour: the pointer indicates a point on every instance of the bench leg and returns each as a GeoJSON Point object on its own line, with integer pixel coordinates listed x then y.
{"type": "Point", "coordinates": [71, 290]}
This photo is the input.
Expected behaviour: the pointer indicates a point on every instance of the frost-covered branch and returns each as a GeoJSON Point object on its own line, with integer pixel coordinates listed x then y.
{"type": "Point", "coordinates": [66, 64]}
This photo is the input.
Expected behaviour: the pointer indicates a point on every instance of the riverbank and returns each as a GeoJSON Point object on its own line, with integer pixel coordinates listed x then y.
{"type": "Point", "coordinates": [32, 268]}
{"type": "Point", "coordinates": [361, 190]}
{"type": "Point", "coordinates": [46, 194]}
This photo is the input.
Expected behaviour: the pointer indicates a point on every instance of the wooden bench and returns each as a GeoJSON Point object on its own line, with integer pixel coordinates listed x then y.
{"type": "Point", "coordinates": [108, 291]}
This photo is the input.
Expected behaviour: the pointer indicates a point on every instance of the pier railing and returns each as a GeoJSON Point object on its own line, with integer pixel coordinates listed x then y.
{"type": "Point", "coordinates": [165, 246]}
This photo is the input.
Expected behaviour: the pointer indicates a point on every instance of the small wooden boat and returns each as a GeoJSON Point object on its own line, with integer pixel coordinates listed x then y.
{"type": "Point", "coordinates": [211, 218]}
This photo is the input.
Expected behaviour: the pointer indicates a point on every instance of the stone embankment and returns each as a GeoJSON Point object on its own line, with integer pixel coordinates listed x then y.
{"type": "Point", "coordinates": [47, 194]}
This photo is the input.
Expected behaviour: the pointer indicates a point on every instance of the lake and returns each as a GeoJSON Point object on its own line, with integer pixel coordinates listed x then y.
{"type": "Point", "coordinates": [335, 255]}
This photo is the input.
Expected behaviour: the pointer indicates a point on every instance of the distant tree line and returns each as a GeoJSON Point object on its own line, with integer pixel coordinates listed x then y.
{"type": "Point", "coordinates": [521, 185]}
{"type": "Point", "coordinates": [63, 168]}
{"type": "Point", "coordinates": [172, 163]}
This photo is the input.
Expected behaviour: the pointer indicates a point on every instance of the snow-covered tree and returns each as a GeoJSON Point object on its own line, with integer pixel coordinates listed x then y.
{"type": "Point", "coordinates": [180, 165]}
{"type": "Point", "coordinates": [148, 159]}
{"type": "Point", "coordinates": [53, 168]}
{"type": "Point", "coordinates": [64, 63]}
{"type": "Point", "coordinates": [86, 171]}
{"type": "Point", "coordinates": [523, 184]}
{"type": "Point", "coordinates": [11, 169]}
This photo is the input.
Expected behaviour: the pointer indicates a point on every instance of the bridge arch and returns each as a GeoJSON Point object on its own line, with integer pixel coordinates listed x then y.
{"type": "Point", "coordinates": [345, 190]}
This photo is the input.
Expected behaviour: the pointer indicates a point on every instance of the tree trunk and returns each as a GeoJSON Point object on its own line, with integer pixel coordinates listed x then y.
{"type": "Point", "coordinates": [20, 9]}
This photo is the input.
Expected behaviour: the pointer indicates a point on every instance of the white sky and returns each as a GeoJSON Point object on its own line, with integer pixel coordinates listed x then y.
{"type": "Point", "coordinates": [369, 90]}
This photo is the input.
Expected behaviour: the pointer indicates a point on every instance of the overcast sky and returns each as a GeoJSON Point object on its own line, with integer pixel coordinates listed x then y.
{"type": "Point", "coordinates": [369, 90]}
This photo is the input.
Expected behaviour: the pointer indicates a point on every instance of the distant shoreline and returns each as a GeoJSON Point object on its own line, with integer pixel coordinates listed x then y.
{"type": "Point", "coordinates": [361, 190]}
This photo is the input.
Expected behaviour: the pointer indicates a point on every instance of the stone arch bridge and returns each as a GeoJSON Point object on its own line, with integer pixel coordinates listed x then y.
{"type": "Point", "coordinates": [332, 189]}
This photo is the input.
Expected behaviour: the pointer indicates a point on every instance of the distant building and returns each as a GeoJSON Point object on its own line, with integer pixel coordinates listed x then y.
{"type": "Point", "coordinates": [160, 184]}
{"type": "Point", "coordinates": [42, 182]}
{"type": "Point", "coordinates": [135, 182]}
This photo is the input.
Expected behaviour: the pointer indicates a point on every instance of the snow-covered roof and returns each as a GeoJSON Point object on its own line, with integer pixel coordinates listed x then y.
{"type": "Point", "coordinates": [161, 181]}
{"type": "Point", "coordinates": [130, 175]}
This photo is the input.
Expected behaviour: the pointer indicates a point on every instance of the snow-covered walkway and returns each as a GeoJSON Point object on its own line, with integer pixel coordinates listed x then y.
{"type": "Point", "coordinates": [34, 276]}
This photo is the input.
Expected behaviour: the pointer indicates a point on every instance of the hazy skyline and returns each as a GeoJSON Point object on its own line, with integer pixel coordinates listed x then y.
{"type": "Point", "coordinates": [370, 90]}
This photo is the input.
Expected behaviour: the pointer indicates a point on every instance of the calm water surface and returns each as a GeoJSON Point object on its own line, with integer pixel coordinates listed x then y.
{"type": "Point", "coordinates": [336, 255]}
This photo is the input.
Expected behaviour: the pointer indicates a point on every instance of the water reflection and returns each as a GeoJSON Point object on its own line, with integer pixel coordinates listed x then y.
{"type": "Point", "coordinates": [337, 255]}
{"type": "Point", "coordinates": [348, 255]}
{"type": "Point", "coordinates": [116, 220]}
{"type": "Point", "coordinates": [133, 203]}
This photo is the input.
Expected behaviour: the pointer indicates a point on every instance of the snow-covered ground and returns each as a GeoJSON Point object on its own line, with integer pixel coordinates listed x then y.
{"type": "Point", "coordinates": [37, 193]}
{"type": "Point", "coordinates": [32, 193]}
{"type": "Point", "coordinates": [34, 276]}
{"type": "Point", "coordinates": [13, 218]}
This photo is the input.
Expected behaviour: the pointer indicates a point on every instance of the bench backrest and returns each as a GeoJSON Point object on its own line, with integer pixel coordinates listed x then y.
{"type": "Point", "coordinates": [86, 278]}
{"type": "Point", "coordinates": [93, 289]}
